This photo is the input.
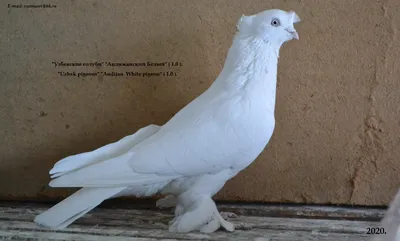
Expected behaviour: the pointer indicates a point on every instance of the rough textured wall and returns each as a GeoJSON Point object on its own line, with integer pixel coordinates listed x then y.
{"type": "Point", "coordinates": [337, 133]}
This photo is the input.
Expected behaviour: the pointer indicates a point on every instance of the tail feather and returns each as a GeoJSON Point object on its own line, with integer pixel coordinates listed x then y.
{"type": "Point", "coordinates": [112, 150]}
{"type": "Point", "coordinates": [93, 169]}
{"type": "Point", "coordinates": [75, 206]}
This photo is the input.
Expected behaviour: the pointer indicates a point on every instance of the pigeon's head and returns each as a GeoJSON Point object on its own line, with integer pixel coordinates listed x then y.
{"type": "Point", "coordinates": [274, 26]}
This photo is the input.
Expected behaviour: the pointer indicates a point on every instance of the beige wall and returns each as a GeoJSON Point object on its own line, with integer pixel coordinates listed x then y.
{"type": "Point", "coordinates": [337, 134]}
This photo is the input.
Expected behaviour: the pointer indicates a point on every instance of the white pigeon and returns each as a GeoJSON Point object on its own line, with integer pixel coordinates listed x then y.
{"type": "Point", "coordinates": [205, 144]}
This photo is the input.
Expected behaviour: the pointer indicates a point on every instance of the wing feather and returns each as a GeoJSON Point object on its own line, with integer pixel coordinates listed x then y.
{"type": "Point", "coordinates": [110, 173]}
{"type": "Point", "coordinates": [74, 162]}
{"type": "Point", "coordinates": [198, 140]}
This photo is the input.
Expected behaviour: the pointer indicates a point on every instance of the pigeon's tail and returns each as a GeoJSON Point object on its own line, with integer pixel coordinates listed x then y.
{"type": "Point", "coordinates": [75, 206]}
{"type": "Point", "coordinates": [112, 150]}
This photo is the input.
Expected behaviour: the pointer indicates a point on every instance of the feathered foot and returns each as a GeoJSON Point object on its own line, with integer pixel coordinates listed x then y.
{"type": "Point", "coordinates": [217, 222]}
{"type": "Point", "coordinates": [179, 210]}
{"type": "Point", "coordinates": [201, 216]}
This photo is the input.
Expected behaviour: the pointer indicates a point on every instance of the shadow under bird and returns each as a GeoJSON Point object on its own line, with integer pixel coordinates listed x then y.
{"type": "Point", "coordinates": [190, 157]}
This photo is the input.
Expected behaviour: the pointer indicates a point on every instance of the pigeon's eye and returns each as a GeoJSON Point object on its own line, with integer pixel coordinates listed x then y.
{"type": "Point", "coordinates": [275, 22]}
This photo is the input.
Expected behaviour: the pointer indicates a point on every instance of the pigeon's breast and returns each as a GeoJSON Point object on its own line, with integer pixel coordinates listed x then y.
{"type": "Point", "coordinates": [257, 127]}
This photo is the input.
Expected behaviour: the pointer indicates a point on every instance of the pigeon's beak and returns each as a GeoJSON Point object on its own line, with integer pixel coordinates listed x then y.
{"type": "Point", "coordinates": [293, 32]}
{"type": "Point", "coordinates": [295, 19]}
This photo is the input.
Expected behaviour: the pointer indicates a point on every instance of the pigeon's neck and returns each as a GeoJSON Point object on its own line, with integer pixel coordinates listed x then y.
{"type": "Point", "coordinates": [251, 66]}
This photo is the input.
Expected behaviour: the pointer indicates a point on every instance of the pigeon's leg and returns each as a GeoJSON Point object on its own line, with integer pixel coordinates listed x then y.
{"type": "Point", "coordinates": [167, 202]}
{"type": "Point", "coordinates": [197, 213]}
{"type": "Point", "coordinates": [211, 226]}
{"type": "Point", "coordinates": [228, 226]}
{"type": "Point", "coordinates": [216, 222]}
{"type": "Point", "coordinates": [179, 210]}
{"type": "Point", "coordinates": [201, 214]}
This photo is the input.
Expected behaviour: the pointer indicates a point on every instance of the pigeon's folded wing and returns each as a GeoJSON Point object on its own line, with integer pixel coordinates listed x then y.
{"type": "Point", "coordinates": [110, 173]}
{"type": "Point", "coordinates": [193, 142]}
{"type": "Point", "coordinates": [112, 150]}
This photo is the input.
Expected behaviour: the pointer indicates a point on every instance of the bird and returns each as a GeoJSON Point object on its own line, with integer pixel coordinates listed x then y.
{"type": "Point", "coordinates": [189, 158]}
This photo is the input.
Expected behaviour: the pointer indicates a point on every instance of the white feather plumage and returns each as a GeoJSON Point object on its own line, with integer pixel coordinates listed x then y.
{"type": "Point", "coordinates": [204, 145]}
